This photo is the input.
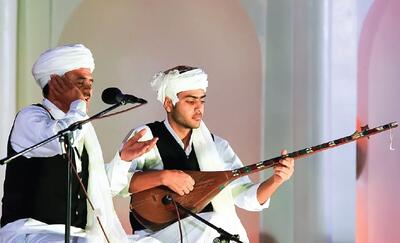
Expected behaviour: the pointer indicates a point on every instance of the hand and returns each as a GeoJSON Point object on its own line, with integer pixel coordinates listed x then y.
{"type": "Point", "coordinates": [62, 92]}
{"type": "Point", "coordinates": [132, 149]}
{"type": "Point", "coordinates": [284, 170]}
{"type": "Point", "coordinates": [178, 181]}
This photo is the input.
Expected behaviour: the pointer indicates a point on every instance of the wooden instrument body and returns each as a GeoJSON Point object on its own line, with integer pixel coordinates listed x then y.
{"type": "Point", "coordinates": [148, 207]}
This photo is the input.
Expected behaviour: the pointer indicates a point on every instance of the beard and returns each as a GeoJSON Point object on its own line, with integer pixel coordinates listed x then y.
{"type": "Point", "coordinates": [186, 122]}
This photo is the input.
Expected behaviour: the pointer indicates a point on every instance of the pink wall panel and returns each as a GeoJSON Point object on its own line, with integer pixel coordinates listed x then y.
{"type": "Point", "coordinates": [378, 194]}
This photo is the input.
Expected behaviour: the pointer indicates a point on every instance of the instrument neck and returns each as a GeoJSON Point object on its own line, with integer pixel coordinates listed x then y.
{"type": "Point", "coordinates": [262, 165]}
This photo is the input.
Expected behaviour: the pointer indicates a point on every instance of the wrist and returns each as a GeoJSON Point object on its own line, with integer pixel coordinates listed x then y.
{"type": "Point", "coordinates": [163, 177]}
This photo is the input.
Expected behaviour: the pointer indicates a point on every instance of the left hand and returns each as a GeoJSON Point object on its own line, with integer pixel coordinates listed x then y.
{"type": "Point", "coordinates": [284, 170]}
{"type": "Point", "coordinates": [134, 148]}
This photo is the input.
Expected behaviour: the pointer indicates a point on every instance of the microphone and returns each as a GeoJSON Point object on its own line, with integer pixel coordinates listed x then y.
{"type": "Point", "coordinates": [114, 95]}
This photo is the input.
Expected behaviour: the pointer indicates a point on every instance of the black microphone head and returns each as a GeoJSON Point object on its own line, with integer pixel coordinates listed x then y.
{"type": "Point", "coordinates": [109, 95]}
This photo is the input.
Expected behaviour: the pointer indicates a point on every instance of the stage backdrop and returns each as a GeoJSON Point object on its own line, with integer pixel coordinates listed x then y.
{"type": "Point", "coordinates": [283, 74]}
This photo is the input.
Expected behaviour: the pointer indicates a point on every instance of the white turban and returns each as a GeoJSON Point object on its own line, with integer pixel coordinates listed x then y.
{"type": "Point", "coordinates": [170, 84]}
{"type": "Point", "coordinates": [60, 60]}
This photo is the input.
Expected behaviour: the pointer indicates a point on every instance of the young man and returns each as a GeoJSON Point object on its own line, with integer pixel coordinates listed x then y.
{"type": "Point", "coordinates": [185, 143]}
{"type": "Point", "coordinates": [35, 185]}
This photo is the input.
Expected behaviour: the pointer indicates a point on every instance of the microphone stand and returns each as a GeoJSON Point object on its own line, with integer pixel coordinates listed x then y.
{"type": "Point", "coordinates": [71, 128]}
{"type": "Point", "coordinates": [66, 141]}
{"type": "Point", "coordinates": [224, 236]}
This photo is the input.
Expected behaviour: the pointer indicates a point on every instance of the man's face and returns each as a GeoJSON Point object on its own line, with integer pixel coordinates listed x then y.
{"type": "Point", "coordinates": [188, 111]}
{"type": "Point", "coordinates": [83, 79]}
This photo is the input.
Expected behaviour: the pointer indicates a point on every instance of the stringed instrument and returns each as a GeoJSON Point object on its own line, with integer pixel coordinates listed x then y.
{"type": "Point", "coordinates": [151, 210]}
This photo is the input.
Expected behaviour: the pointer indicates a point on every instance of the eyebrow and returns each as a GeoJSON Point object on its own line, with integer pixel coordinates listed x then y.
{"type": "Point", "coordinates": [83, 77]}
{"type": "Point", "coordinates": [195, 97]}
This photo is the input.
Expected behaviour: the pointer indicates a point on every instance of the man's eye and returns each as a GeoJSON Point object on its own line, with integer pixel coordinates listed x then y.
{"type": "Point", "coordinates": [79, 83]}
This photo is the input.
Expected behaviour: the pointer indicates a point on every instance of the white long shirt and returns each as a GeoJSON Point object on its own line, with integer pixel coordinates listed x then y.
{"type": "Point", "coordinates": [33, 124]}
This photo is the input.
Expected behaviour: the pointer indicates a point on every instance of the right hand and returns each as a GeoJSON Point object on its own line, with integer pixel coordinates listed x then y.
{"type": "Point", "coordinates": [133, 148]}
{"type": "Point", "coordinates": [62, 92]}
{"type": "Point", "coordinates": [178, 181]}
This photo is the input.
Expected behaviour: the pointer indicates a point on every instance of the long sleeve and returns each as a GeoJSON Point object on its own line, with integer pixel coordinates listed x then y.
{"type": "Point", "coordinates": [33, 124]}
{"type": "Point", "coordinates": [120, 172]}
{"type": "Point", "coordinates": [119, 176]}
{"type": "Point", "coordinates": [243, 190]}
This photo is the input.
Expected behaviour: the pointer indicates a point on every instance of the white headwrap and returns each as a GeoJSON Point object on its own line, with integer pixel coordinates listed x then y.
{"type": "Point", "coordinates": [170, 84]}
{"type": "Point", "coordinates": [60, 60]}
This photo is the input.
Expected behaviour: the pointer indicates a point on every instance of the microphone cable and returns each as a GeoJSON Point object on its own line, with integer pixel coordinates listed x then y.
{"type": "Point", "coordinates": [167, 199]}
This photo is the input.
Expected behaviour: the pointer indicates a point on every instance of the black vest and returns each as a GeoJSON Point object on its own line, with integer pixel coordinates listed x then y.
{"type": "Point", "coordinates": [37, 188]}
{"type": "Point", "coordinates": [173, 157]}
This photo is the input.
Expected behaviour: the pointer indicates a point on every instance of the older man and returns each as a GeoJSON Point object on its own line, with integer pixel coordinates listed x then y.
{"type": "Point", "coordinates": [185, 143]}
{"type": "Point", "coordinates": [35, 184]}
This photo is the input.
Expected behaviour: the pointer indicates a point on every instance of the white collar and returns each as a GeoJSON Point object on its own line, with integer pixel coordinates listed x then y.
{"type": "Point", "coordinates": [53, 109]}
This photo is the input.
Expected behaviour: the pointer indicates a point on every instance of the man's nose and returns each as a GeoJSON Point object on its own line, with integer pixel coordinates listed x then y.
{"type": "Point", "coordinates": [87, 88]}
{"type": "Point", "coordinates": [88, 84]}
{"type": "Point", "coordinates": [198, 104]}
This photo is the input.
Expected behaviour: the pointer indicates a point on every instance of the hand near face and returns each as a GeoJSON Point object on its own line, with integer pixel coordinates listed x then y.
{"type": "Point", "coordinates": [284, 170]}
{"type": "Point", "coordinates": [73, 85]}
{"type": "Point", "coordinates": [62, 92]}
{"type": "Point", "coordinates": [134, 148]}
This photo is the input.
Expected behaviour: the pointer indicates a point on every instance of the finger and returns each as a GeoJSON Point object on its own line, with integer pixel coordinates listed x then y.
{"type": "Point", "coordinates": [283, 152]}
{"type": "Point", "coordinates": [54, 85]}
{"type": "Point", "coordinates": [190, 180]}
{"type": "Point", "coordinates": [153, 142]}
{"type": "Point", "coordinates": [138, 136]}
{"type": "Point", "coordinates": [284, 174]}
{"type": "Point", "coordinates": [282, 170]}
{"type": "Point", "coordinates": [62, 83]}
{"type": "Point", "coordinates": [286, 162]}
{"type": "Point", "coordinates": [67, 83]}
{"type": "Point", "coordinates": [150, 144]}
{"type": "Point", "coordinates": [186, 191]}
{"type": "Point", "coordinates": [177, 190]}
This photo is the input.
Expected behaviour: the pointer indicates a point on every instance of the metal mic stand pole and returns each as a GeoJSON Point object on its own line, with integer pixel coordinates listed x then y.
{"type": "Point", "coordinates": [66, 141]}
{"type": "Point", "coordinates": [224, 236]}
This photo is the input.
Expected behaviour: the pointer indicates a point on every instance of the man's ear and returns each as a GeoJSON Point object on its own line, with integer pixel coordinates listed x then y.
{"type": "Point", "coordinates": [168, 106]}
